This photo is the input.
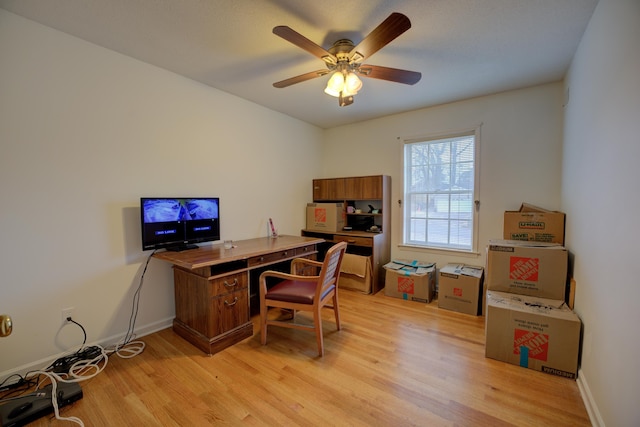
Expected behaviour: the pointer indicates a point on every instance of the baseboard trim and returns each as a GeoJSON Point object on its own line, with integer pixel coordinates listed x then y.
{"type": "Point", "coordinates": [105, 342]}
{"type": "Point", "coordinates": [589, 401]}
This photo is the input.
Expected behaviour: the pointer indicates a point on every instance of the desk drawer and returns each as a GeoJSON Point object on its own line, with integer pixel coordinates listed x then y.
{"type": "Point", "coordinates": [353, 240]}
{"type": "Point", "coordinates": [228, 312]}
{"type": "Point", "coordinates": [230, 283]}
{"type": "Point", "coordinates": [271, 258]}
{"type": "Point", "coordinates": [305, 250]}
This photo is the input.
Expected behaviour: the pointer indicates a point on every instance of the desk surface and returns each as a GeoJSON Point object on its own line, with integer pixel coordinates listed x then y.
{"type": "Point", "coordinates": [354, 233]}
{"type": "Point", "coordinates": [243, 249]}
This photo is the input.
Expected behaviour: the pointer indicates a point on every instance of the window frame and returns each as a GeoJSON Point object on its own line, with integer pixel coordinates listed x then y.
{"type": "Point", "coordinates": [405, 242]}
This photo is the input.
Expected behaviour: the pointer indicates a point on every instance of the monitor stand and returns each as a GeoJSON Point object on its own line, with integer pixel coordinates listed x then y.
{"type": "Point", "coordinates": [180, 248]}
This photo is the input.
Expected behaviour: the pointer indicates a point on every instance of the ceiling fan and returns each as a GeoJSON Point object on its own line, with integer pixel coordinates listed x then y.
{"type": "Point", "coordinates": [344, 59]}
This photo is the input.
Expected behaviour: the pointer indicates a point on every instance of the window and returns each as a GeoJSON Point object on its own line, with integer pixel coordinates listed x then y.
{"type": "Point", "coordinates": [440, 192]}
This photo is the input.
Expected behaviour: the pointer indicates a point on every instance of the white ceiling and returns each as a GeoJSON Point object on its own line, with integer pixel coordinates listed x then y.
{"type": "Point", "coordinates": [463, 48]}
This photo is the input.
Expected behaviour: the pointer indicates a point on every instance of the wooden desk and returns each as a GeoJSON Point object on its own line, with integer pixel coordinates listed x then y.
{"type": "Point", "coordinates": [216, 289]}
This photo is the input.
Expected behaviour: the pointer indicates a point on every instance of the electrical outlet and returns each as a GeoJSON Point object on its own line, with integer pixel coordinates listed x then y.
{"type": "Point", "coordinates": [66, 313]}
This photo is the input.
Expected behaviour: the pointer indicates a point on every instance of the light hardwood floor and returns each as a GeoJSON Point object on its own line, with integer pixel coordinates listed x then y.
{"type": "Point", "coordinates": [394, 363]}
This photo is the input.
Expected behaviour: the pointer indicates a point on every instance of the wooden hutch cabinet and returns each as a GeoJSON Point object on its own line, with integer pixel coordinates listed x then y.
{"type": "Point", "coordinates": [370, 197]}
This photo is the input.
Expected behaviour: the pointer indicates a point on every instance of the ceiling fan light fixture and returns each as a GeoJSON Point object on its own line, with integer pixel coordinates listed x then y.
{"type": "Point", "coordinates": [335, 85]}
{"type": "Point", "coordinates": [352, 84]}
{"type": "Point", "coordinates": [347, 92]}
{"type": "Point", "coordinates": [345, 100]}
{"type": "Point", "coordinates": [330, 91]}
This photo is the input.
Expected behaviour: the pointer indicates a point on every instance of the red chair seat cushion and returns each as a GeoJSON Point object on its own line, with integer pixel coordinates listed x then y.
{"type": "Point", "coordinates": [295, 291]}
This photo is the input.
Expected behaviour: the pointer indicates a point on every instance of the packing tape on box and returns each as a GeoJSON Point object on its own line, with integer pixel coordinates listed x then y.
{"type": "Point", "coordinates": [524, 356]}
{"type": "Point", "coordinates": [412, 264]}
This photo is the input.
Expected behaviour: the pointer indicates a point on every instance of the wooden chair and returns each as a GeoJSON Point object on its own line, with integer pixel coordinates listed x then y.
{"type": "Point", "coordinates": [303, 292]}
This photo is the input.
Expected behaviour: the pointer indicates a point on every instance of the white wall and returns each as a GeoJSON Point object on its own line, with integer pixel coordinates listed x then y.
{"type": "Point", "coordinates": [85, 132]}
{"type": "Point", "coordinates": [520, 156]}
{"type": "Point", "coordinates": [601, 198]}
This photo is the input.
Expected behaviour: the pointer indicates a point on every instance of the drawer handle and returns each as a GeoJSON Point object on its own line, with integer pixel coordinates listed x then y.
{"type": "Point", "coordinates": [231, 285]}
{"type": "Point", "coordinates": [351, 241]}
{"type": "Point", "coordinates": [285, 253]}
{"type": "Point", "coordinates": [261, 259]}
{"type": "Point", "coordinates": [229, 304]}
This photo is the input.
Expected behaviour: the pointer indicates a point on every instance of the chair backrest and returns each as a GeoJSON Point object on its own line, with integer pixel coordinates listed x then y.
{"type": "Point", "coordinates": [330, 270]}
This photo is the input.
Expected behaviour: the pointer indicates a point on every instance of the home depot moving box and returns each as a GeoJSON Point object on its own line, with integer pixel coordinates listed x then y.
{"type": "Point", "coordinates": [325, 216]}
{"type": "Point", "coordinates": [534, 223]}
{"type": "Point", "coordinates": [355, 273]}
{"type": "Point", "coordinates": [527, 268]}
{"type": "Point", "coordinates": [460, 288]}
{"type": "Point", "coordinates": [534, 333]}
{"type": "Point", "coordinates": [410, 280]}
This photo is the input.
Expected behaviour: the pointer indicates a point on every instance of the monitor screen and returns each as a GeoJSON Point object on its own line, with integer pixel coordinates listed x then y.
{"type": "Point", "coordinates": [178, 223]}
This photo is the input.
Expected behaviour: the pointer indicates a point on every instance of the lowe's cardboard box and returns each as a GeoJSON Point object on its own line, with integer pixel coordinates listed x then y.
{"type": "Point", "coordinates": [534, 333]}
{"type": "Point", "coordinates": [325, 216]}
{"type": "Point", "coordinates": [410, 280]}
{"type": "Point", "coordinates": [460, 288]}
{"type": "Point", "coordinates": [534, 223]}
{"type": "Point", "coordinates": [355, 273]}
{"type": "Point", "coordinates": [528, 268]}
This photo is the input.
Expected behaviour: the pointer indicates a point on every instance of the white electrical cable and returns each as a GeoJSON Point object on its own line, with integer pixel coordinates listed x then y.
{"type": "Point", "coordinates": [79, 369]}
{"type": "Point", "coordinates": [55, 378]}
{"type": "Point", "coordinates": [129, 349]}
{"type": "Point", "coordinates": [87, 369]}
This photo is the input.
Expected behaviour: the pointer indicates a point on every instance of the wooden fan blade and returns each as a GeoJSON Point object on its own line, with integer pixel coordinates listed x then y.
{"type": "Point", "coordinates": [391, 74]}
{"type": "Point", "coordinates": [384, 33]}
{"type": "Point", "coordinates": [301, 78]}
{"type": "Point", "coordinates": [302, 42]}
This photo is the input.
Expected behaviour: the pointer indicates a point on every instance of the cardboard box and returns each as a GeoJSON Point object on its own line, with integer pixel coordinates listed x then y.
{"type": "Point", "coordinates": [410, 280]}
{"type": "Point", "coordinates": [527, 268]}
{"type": "Point", "coordinates": [460, 288]}
{"type": "Point", "coordinates": [535, 224]}
{"type": "Point", "coordinates": [534, 333]}
{"type": "Point", "coordinates": [570, 298]}
{"type": "Point", "coordinates": [356, 273]}
{"type": "Point", "coordinates": [325, 217]}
